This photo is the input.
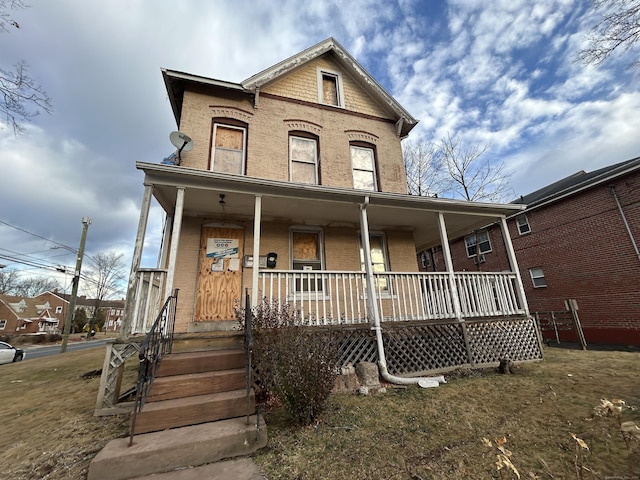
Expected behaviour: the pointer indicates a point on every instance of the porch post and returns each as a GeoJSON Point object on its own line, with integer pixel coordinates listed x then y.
{"type": "Point", "coordinates": [514, 264]}
{"type": "Point", "coordinates": [257, 217]}
{"type": "Point", "coordinates": [175, 238]}
{"type": "Point", "coordinates": [162, 261]}
{"type": "Point", "coordinates": [366, 247]}
{"type": "Point", "coordinates": [129, 306]}
{"type": "Point", "coordinates": [446, 253]}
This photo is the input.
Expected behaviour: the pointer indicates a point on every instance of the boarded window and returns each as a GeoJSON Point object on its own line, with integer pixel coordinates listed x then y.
{"type": "Point", "coordinates": [330, 90]}
{"type": "Point", "coordinates": [363, 164]}
{"type": "Point", "coordinates": [303, 153]}
{"type": "Point", "coordinates": [228, 151]}
{"type": "Point", "coordinates": [306, 255]}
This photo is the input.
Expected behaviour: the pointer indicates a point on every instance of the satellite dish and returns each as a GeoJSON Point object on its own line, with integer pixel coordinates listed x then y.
{"type": "Point", "coordinates": [182, 142]}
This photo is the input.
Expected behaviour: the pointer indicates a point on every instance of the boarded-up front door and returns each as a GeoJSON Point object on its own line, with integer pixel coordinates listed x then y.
{"type": "Point", "coordinates": [219, 273]}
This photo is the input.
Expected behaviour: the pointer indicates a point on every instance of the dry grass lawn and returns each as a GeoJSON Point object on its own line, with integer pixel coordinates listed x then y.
{"type": "Point", "coordinates": [457, 431]}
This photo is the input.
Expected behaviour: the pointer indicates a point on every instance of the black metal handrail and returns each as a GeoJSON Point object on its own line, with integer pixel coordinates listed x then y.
{"type": "Point", "coordinates": [156, 344]}
{"type": "Point", "coordinates": [248, 342]}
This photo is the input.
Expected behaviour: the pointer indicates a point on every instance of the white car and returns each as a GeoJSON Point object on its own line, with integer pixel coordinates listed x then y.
{"type": "Point", "coordinates": [9, 354]}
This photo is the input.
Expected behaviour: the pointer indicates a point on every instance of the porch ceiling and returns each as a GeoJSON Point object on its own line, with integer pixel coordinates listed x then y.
{"type": "Point", "coordinates": [316, 205]}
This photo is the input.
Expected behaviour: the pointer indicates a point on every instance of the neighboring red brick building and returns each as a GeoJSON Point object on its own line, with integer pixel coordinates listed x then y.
{"type": "Point", "coordinates": [577, 239]}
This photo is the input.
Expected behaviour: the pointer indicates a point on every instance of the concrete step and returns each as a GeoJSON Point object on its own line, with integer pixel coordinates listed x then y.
{"type": "Point", "coordinates": [166, 451]}
{"type": "Point", "coordinates": [197, 362]}
{"type": "Point", "coordinates": [180, 412]}
{"type": "Point", "coordinates": [179, 386]}
{"type": "Point", "coordinates": [240, 469]}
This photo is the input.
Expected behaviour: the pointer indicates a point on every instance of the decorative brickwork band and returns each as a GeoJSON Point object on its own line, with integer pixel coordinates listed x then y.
{"type": "Point", "coordinates": [303, 125]}
{"type": "Point", "coordinates": [359, 135]}
{"type": "Point", "coordinates": [231, 112]}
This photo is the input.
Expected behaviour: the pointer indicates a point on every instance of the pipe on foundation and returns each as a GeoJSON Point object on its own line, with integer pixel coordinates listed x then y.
{"type": "Point", "coordinates": [424, 382]}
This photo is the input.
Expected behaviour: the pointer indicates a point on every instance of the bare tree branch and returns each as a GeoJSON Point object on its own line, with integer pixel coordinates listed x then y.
{"type": "Point", "coordinates": [618, 29]}
{"type": "Point", "coordinates": [474, 177]}
{"type": "Point", "coordinates": [423, 165]}
{"type": "Point", "coordinates": [21, 97]}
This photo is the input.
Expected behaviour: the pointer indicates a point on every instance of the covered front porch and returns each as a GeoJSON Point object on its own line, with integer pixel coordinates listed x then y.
{"type": "Point", "coordinates": [326, 296]}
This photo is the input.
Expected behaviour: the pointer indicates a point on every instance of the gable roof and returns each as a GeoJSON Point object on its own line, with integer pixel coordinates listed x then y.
{"type": "Point", "coordinates": [576, 183]}
{"type": "Point", "coordinates": [25, 308]}
{"type": "Point", "coordinates": [175, 81]}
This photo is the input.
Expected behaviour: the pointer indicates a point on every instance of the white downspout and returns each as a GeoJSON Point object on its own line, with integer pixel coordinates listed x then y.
{"type": "Point", "coordinates": [375, 314]}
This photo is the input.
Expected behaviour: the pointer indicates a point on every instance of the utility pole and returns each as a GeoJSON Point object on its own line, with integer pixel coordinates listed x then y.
{"type": "Point", "coordinates": [86, 221]}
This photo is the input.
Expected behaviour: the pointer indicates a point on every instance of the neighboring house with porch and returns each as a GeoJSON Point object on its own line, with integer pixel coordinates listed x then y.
{"type": "Point", "coordinates": [577, 239]}
{"type": "Point", "coordinates": [59, 301]}
{"type": "Point", "coordinates": [294, 190]}
{"type": "Point", "coordinates": [24, 315]}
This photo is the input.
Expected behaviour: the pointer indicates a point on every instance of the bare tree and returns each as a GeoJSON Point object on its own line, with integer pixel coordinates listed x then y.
{"type": "Point", "coordinates": [618, 29]}
{"type": "Point", "coordinates": [104, 277]}
{"type": "Point", "coordinates": [8, 281]}
{"type": "Point", "coordinates": [474, 177]}
{"type": "Point", "coordinates": [423, 165]}
{"type": "Point", "coordinates": [32, 286]}
{"type": "Point", "coordinates": [21, 97]}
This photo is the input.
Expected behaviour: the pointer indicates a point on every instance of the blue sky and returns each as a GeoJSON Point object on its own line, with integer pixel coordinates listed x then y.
{"type": "Point", "coordinates": [500, 73]}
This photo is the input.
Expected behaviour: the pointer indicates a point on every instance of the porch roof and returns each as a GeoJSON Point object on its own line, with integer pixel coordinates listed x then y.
{"type": "Point", "coordinates": [316, 205]}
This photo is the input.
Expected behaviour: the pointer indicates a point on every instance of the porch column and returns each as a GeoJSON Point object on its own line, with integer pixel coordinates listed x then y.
{"type": "Point", "coordinates": [511, 254]}
{"type": "Point", "coordinates": [446, 253]}
{"type": "Point", "coordinates": [366, 247]}
{"type": "Point", "coordinates": [162, 261]}
{"type": "Point", "coordinates": [129, 306]}
{"type": "Point", "coordinates": [257, 217]}
{"type": "Point", "coordinates": [175, 238]}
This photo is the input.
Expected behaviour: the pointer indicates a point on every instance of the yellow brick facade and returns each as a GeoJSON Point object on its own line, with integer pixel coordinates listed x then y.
{"type": "Point", "coordinates": [290, 105]}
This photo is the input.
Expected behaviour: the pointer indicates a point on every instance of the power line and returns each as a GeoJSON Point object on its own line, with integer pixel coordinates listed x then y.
{"type": "Point", "coordinates": [36, 235]}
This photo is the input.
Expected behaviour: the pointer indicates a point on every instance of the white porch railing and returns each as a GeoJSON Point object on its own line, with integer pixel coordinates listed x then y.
{"type": "Point", "coordinates": [148, 299]}
{"type": "Point", "coordinates": [333, 297]}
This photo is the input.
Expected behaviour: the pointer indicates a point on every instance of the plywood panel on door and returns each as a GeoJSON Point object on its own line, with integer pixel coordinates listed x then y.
{"type": "Point", "coordinates": [219, 273]}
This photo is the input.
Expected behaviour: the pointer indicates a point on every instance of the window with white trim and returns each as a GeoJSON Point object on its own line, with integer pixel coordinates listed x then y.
{"type": "Point", "coordinates": [228, 149]}
{"type": "Point", "coordinates": [523, 224]}
{"type": "Point", "coordinates": [3, 324]}
{"type": "Point", "coordinates": [379, 257]}
{"type": "Point", "coordinates": [59, 309]}
{"type": "Point", "coordinates": [303, 160]}
{"type": "Point", "coordinates": [477, 242]}
{"type": "Point", "coordinates": [330, 88]}
{"type": "Point", "coordinates": [537, 277]}
{"type": "Point", "coordinates": [363, 163]}
{"type": "Point", "coordinates": [307, 255]}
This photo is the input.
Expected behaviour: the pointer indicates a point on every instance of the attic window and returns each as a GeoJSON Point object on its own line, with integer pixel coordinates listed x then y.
{"type": "Point", "coordinates": [330, 88]}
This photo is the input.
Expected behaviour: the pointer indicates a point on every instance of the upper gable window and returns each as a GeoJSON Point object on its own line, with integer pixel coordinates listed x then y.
{"type": "Point", "coordinates": [228, 152]}
{"type": "Point", "coordinates": [330, 88]}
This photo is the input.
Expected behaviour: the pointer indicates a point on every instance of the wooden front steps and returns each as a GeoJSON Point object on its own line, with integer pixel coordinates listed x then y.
{"type": "Point", "coordinates": [196, 387]}
{"type": "Point", "coordinates": [195, 414]}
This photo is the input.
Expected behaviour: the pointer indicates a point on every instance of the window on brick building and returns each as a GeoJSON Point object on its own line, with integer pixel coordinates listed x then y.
{"type": "Point", "coordinates": [228, 152]}
{"type": "Point", "coordinates": [363, 164]}
{"type": "Point", "coordinates": [3, 324]}
{"type": "Point", "coordinates": [537, 277]}
{"type": "Point", "coordinates": [330, 88]}
{"type": "Point", "coordinates": [303, 159]}
{"type": "Point", "coordinates": [58, 309]}
{"type": "Point", "coordinates": [379, 257]}
{"type": "Point", "coordinates": [307, 255]}
{"type": "Point", "coordinates": [477, 242]}
{"type": "Point", "coordinates": [523, 224]}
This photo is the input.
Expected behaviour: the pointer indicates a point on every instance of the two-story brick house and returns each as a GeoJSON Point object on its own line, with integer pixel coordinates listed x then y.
{"type": "Point", "coordinates": [577, 239]}
{"type": "Point", "coordinates": [25, 315]}
{"type": "Point", "coordinates": [293, 189]}
{"type": "Point", "coordinates": [295, 176]}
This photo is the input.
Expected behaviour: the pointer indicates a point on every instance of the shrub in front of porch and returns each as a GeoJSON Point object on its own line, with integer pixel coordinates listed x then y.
{"type": "Point", "coordinates": [294, 363]}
